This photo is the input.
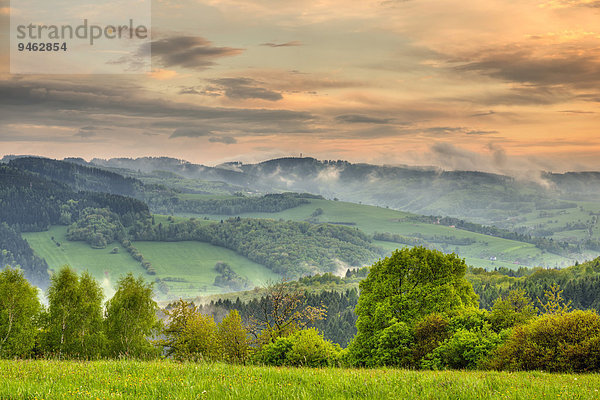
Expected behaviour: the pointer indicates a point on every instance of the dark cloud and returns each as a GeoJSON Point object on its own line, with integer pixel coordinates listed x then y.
{"type": "Point", "coordinates": [362, 119]}
{"type": "Point", "coordinates": [87, 131]}
{"type": "Point", "coordinates": [286, 44]}
{"type": "Point", "coordinates": [77, 104]}
{"type": "Point", "coordinates": [518, 96]}
{"type": "Point", "coordinates": [577, 112]}
{"type": "Point", "coordinates": [242, 88]}
{"type": "Point", "coordinates": [223, 139]}
{"type": "Point", "coordinates": [190, 132]}
{"type": "Point", "coordinates": [447, 130]}
{"type": "Point", "coordinates": [189, 52]}
{"type": "Point", "coordinates": [483, 114]}
{"type": "Point", "coordinates": [539, 72]}
{"type": "Point", "coordinates": [521, 66]}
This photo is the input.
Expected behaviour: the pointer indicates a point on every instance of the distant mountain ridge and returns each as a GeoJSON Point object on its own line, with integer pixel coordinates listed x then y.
{"type": "Point", "coordinates": [480, 196]}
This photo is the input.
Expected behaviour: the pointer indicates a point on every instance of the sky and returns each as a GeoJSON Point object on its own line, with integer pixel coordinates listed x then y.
{"type": "Point", "coordinates": [501, 86]}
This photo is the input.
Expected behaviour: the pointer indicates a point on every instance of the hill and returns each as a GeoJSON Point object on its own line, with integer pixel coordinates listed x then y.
{"type": "Point", "coordinates": [543, 204]}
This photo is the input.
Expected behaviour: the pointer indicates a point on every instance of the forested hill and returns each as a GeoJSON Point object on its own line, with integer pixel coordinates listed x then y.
{"type": "Point", "coordinates": [29, 202]}
{"type": "Point", "coordinates": [79, 177]}
{"type": "Point", "coordinates": [182, 168]}
{"type": "Point", "coordinates": [477, 196]}
{"type": "Point", "coordinates": [15, 251]}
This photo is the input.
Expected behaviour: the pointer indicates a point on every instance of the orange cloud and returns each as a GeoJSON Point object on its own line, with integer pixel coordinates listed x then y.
{"type": "Point", "coordinates": [162, 74]}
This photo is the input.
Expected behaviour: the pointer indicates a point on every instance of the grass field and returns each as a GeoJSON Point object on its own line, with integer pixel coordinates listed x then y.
{"type": "Point", "coordinates": [192, 262]}
{"type": "Point", "coordinates": [195, 261]}
{"type": "Point", "coordinates": [79, 255]}
{"type": "Point", "coordinates": [28, 380]}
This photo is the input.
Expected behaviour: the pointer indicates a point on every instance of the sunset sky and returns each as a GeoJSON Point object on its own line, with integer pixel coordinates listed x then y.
{"type": "Point", "coordinates": [491, 85]}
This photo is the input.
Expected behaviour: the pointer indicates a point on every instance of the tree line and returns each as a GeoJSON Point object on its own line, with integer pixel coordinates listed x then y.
{"type": "Point", "coordinates": [289, 248]}
{"type": "Point", "coordinates": [416, 309]}
{"type": "Point", "coordinates": [269, 203]}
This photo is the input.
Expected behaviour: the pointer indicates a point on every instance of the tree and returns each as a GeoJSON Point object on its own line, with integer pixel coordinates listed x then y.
{"type": "Point", "coordinates": [233, 338]}
{"type": "Point", "coordinates": [514, 309]}
{"type": "Point", "coordinates": [131, 319]}
{"type": "Point", "coordinates": [282, 312]}
{"type": "Point", "coordinates": [554, 303]}
{"type": "Point", "coordinates": [19, 308]}
{"type": "Point", "coordinates": [405, 288]}
{"type": "Point", "coordinates": [190, 335]}
{"type": "Point", "coordinates": [74, 320]}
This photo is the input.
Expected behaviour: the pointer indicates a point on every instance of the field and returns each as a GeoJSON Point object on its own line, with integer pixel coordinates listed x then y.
{"type": "Point", "coordinates": [79, 255]}
{"type": "Point", "coordinates": [194, 262]}
{"type": "Point", "coordinates": [169, 380]}
{"type": "Point", "coordinates": [190, 262]}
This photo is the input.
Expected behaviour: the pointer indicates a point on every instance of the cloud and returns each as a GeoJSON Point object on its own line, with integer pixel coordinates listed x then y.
{"type": "Point", "coordinates": [362, 119]}
{"type": "Point", "coordinates": [565, 68]}
{"type": "Point", "coordinates": [571, 3]}
{"type": "Point", "coordinates": [493, 160]}
{"type": "Point", "coordinates": [576, 112]}
{"type": "Point", "coordinates": [190, 132]}
{"type": "Point", "coordinates": [194, 132]}
{"type": "Point", "coordinates": [482, 114]}
{"type": "Point", "coordinates": [162, 74]}
{"type": "Point", "coordinates": [286, 44]}
{"type": "Point", "coordinates": [189, 52]}
{"type": "Point", "coordinates": [447, 130]}
{"type": "Point", "coordinates": [223, 139]}
{"type": "Point", "coordinates": [242, 88]}
{"type": "Point", "coordinates": [87, 131]}
{"type": "Point", "coordinates": [126, 106]}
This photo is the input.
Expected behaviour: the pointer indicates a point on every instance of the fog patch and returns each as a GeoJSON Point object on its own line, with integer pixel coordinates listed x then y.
{"type": "Point", "coordinates": [495, 160]}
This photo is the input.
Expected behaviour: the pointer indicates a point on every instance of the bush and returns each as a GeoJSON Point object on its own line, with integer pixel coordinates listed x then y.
{"type": "Point", "coordinates": [275, 353]}
{"type": "Point", "coordinates": [464, 350]}
{"type": "Point", "coordinates": [394, 346]}
{"type": "Point", "coordinates": [566, 342]}
{"type": "Point", "coordinates": [310, 349]}
{"type": "Point", "coordinates": [306, 348]}
{"type": "Point", "coordinates": [429, 333]}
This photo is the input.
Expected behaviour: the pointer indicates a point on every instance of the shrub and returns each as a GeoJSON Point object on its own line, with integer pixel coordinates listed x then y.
{"type": "Point", "coordinates": [429, 333]}
{"type": "Point", "coordinates": [275, 353]}
{"type": "Point", "coordinates": [306, 348]}
{"type": "Point", "coordinates": [394, 346]}
{"type": "Point", "coordinates": [465, 350]}
{"type": "Point", "coordinates": [310, 349]}
{"type": "Point", "coordinates": [566, 342]}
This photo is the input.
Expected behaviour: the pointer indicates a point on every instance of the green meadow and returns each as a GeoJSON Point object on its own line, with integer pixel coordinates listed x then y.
{"type": "Point", "coordinates": [79, 255]}
{"type": "Point", "coordinates": [138, 380]}
{"type": "Point", "coordinates": [187, 268]}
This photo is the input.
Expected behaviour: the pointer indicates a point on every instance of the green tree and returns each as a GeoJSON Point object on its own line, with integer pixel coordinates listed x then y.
{"type": "Point", "coordinates": [131, 319]}
{"type": "Point", "coordinates": [190, 335]}
{"type": "Point", "coordinates": [406, 287]}
{"type": "Point", "coordinates": [553, 301]}
{"type": "Point", "coordinates": [513, 309]}
{"type": "Point", "coordinates": [199, 338]}
{"type": "Point", "coordinates": [233, 338]}
{"type": "Point", "coordinates": [19, 308]}
{"type": "Point", "coordinates": [74, 320]}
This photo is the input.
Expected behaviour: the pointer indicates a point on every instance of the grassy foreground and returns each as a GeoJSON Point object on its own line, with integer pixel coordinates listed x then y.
{"type": "Point", "coordinates": [170, 380]}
